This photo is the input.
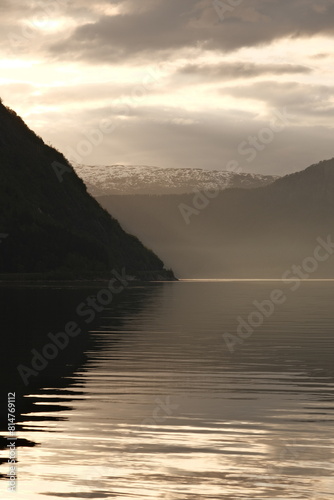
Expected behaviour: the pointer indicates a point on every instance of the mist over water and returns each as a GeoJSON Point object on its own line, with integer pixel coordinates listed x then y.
{"type": "Point", "coordinates": [155, 404]}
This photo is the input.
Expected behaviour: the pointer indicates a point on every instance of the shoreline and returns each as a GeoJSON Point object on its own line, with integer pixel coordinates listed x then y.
{"type": "Point", "coordinates": [30, 280]}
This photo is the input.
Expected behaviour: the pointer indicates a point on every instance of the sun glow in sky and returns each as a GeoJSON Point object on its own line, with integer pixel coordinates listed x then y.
{"type": "Point", "coordinates": [194, 86]}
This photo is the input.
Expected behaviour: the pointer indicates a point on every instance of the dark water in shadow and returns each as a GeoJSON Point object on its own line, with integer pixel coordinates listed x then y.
{"type": "Point", "coordinates": [149, 402]}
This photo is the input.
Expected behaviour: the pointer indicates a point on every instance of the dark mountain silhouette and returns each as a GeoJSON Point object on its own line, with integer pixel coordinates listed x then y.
{"type": "Point", "coordinates": [254, 233]}
{"type": "Point", "coordinates": [49, 225]}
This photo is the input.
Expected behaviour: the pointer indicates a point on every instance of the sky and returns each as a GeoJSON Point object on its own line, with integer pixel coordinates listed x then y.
{"type": "Point", "coordinates": [244, 84]}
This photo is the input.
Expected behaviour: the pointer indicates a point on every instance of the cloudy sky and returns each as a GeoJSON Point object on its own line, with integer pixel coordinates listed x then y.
{"type": "Point", "coordinates": [193, 83]}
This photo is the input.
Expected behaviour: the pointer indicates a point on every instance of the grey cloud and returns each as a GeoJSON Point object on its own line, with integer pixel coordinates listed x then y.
{"type": "Point", "coordinates": [174, 25]}
{"type": "Point", "coordinates": [322, 55]}
{"type": "Point", "coordinates": [234, 70]}
{"type": "Point", "coordinates": [296, 96]}
{"type": "Point", "coordinates": [19, 23]}
{"type": "Point", "coordinates": [152, 30]}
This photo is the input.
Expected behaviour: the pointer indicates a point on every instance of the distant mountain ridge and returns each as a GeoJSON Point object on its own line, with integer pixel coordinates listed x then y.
{"type": "Point", "coordinates": [142, 179]}
{"type": "Point", "coordinates": [49, 224]}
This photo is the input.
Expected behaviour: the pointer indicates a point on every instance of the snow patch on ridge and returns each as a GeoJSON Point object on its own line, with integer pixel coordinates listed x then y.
{"type": "Point", "coordinates": [143, 179]}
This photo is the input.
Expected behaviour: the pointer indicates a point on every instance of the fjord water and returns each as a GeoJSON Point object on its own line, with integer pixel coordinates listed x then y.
{"type": "Point", "coordinates": [155, 405]}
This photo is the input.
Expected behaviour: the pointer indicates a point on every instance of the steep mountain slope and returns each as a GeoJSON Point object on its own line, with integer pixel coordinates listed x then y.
{"type": "Point", "coordinates": [48, 221]}
{"type": "Point", "coordinates": [256, 233]}
{"type": "Point", "coordinates": [125, 179]}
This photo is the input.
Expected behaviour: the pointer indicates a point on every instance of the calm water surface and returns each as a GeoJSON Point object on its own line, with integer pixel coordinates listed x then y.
{"type": "Point", "coordinates": [156, 406]}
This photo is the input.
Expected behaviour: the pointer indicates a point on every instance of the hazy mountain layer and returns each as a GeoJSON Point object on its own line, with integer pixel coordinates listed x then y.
{"type": "Point", "coordinates": [255, 233]}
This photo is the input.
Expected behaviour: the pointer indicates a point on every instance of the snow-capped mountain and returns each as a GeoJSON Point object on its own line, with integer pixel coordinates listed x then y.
{"type": "Point", "coordinates": [141, 179]}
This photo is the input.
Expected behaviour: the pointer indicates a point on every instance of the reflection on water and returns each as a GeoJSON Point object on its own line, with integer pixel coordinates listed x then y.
{"type": "Point", "coordinates": [158, 407]}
